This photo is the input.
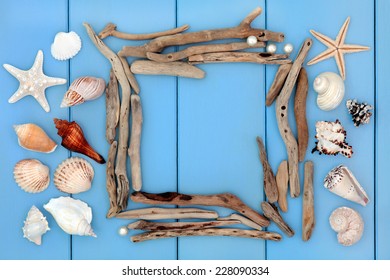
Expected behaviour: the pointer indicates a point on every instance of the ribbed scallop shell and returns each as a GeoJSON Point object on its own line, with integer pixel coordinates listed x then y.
{"type": "Point", "coordinates": [348, 224]}
{"type": "Point", "coordinates": [31, 175]}
{"type": "Point", "coordinates": [35, 226]}
{"type": "Point", "coordinates": [65, 45]}
{"type": "Point", "coordinates": [330, 89]}
{"type": "Point", "coordinates": [83, 89]}
{"type": "Point", "coordinates": [74, 175]}
{"type": "Point", "coordinates": [34, 138]}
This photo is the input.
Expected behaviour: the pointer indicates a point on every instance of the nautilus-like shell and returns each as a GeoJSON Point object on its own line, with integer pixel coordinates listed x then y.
{"type": "Point", "coordinates": [66, 45]}
{"type": "Point", "coordinates": [34, 138]}
{"type": "Point", "coordinates": [83, 89]}
{"type": "Point", "coordinates": [35, 226]}
{"type": "Point", "coordinates": [342, 182]}
{"type": "Point", "coordinates": [72, 215]}
{"type": "Point", "coordinates": [31, 175]}
{"type": "Point", "coordinates": [348, 224]}
{"type": "Point", "coordinates": [330, 89]}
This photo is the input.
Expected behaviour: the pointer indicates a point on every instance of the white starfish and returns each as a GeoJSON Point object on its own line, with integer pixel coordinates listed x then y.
{"type": "Point", "coordinates": [33, 82]}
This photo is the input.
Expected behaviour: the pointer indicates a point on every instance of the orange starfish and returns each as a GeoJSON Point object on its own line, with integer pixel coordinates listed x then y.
{"type": "Point", "coordinates": [336, 48]}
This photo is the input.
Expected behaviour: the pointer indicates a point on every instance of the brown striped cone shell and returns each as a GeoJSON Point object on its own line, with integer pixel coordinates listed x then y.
{"type": "Point", "coordinates": [34, 138]}
{"type": "Point", "coordinates": [31, 175]}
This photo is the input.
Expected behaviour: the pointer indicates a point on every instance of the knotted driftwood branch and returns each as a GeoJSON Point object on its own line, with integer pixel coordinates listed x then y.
{"type": "Point", "coordinates": [282, 184]}
{"type": "Point", "coordinates": [271, 212]}
{"type": "Point", "coordinates": [243, 220]}
{"type": "Point", "coordinates": [280, 78]}
{"type": "Point", "coordinates": [111, 182]}
{"type": "Point", "coordinates": [308, 218]}
{"type": "Point", "coordinates": [112, 107]}
{"type": "Point", "coordinates": [147, 225]}
{"type": "Point", "coordinates": [129, 75]}
{"type": "Point", "coordinates": [135, 142]}
{"type": "Point", "coordinates": [261, 58]}
{"type": "Point", "coordinates": [156, 213]}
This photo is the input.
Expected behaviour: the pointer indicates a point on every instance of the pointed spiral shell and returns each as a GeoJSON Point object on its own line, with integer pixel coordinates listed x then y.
{"type": "Point", "coordinates": [35, 226]}
{"type": "Point", "coordinates": [330, 89]}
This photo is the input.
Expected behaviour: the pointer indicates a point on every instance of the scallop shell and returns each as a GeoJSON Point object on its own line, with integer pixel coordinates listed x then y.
{"type": "Point", "coordinates": [74, 175]}
{"type": "Point", "coordinates": [34, 138]}
{"type": "Point", "coordinates": [72, 215]}
{"type": "Point", "coordinates": [330, 89]}
{"type": "Point", "coordinates": [83, 89]}
{"type": "Point", "coordinates": [342, 182]}
{"type": "Point", "coordinates": [35, 226]}
{"type": "Point", "coordinates": [65, 45]}
{"type": "Point", "coordinates": [31, 175]}
{"type": "Point", "coordinates": [348, 224]}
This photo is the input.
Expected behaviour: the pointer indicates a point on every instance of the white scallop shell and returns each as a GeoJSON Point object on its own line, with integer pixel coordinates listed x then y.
{"type": "Point", "coordinates": [74, 175]}
{"type": "Point", "coordinates": [72, 215]}
{"type": "Point", "coordinates": [35, 226]}
{"type": "Point", "coordinates": [348, 224]}
{"type": "Point", "coordinates": [330, 89]}
{"type": "Point", "coordinates": [65, 45]}
{"type": "Point", "coordinates": [31, 175]}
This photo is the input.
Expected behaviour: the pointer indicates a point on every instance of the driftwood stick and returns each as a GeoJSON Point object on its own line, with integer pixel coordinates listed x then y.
{"type": "Point", "coordinates": [110, 30]}
{"type": "Point", "coordinates": [282, 183]}
{"type": "Point", "coordinates": [110, 181]}
{"type": "Point", "coordinates": [271, 212]}
{"type": "Point", "coordinates": [282, 118]}
{"type": "Point", "coordinates": [112, 107]}
{"type": "Point", "coordinates": [300, 113]}
{"type": "Point", "coordinates": [175, 56]}
{"type": "Point", "coordinates": [135, 142]}
{"type": "Point", "coordinates": [270, 187]}
{"type": "Point", "coordinates": [262, 58]}
{"type": "Point", "coordinates": [129, 75]}
{"type": "Point", "coordinates": [308, 218]}
{"type": "Point", "coordinates": [156, 213]}
{"type": "Point", "coordinates": [176, 68]}
{"type": "Point", "coordinates": [147, 225]}
{"type": "Point", "coordinates": [280, 78]}
{"type": "Point", "coordinates": [207, 232]}
{"type": "Point", "coordinates": [243, 220]}
{"type": "Point", "coordinates": [226, 200]}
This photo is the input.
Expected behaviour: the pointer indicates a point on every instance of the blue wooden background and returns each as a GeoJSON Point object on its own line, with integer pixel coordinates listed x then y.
{"type": "Point", "coordinates": [199, 135]}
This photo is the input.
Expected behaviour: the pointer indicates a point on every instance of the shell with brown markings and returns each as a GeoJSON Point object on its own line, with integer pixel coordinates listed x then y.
{"type": "Point", "coordinates": [31, 175]}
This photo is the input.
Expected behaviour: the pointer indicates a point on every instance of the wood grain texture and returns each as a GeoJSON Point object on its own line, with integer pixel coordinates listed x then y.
{"type": "Point", "coordinates": [111, 185]}
{"type": "Point", "coordinates": [220, 57]}
{"type": "Point", "coordinates": [282, 184]}
{"type": "Point", "coordinates": [156, 213]}
{"type": "Point", "coordinates": [272, 213]}
{"type": "Point", "coordinates": [135, 142]}
{"type": "Point", "coordinates": [308, 217]}
{"type": "Point", "coordinates": [277, 84]}
{"type": "Point", "coordinates": [112, 108]}
{"type": "Point", "coordinates": [153, 226]}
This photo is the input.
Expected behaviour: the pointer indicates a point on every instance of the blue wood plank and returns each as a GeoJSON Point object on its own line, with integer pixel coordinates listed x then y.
{"type": "Point", "coordinates": [25, 29]}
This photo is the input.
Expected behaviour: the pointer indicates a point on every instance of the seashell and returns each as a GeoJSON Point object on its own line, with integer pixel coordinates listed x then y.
{"type": "Point", "coordinates": [65, 45]}
{"type": "Point", "coordinates": [74, 175]}
{"type": "Point", "coordinates": [34, 138]}
{"type": "Point", "coordinates": [330, 89]}
{"type": "Point", "coordinates": [72, 215]}
{"type": "Point", "coordinates": [73, 139]}
{"type": "Point", "coordinates": [348, 224]}
{"type": "Point", "coordinates": [35, 226]}
{"type": "Point", "coordinates": [31, 175]}
{"type": "Point", "coordinates": [360, 112]}
{"type": "Point", "coordinates": [83, 89]}
{"type": "Point", "coordinates": [342, 182]}
{"type": "Point", "coordinates": [331, 139]}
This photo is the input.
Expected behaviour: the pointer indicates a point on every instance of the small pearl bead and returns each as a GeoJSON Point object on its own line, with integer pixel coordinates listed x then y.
{"type": "Point", "coordinates": [123, 231]}
{"type": "Point", "coordinates": [251, 40]}
{"type": "Point", "coordinates": [288, 48]}
{"type": "Point", "coordinates": [271, 48]}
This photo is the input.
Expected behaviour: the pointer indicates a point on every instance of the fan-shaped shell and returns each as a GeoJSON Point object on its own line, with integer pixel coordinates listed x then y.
{"type": "Point", "coordinates": [31, 175]}
{"type": "Point", "coordinates": [74, 175]}
{"type": "Point", "coordinates": [35, 226]}
{"type": "Point", "coordinates": [65, 45]}
{"type": "Point", "coordinates": [348, 224]}
{"type": "Point", "coordinates": [83, 89]}
{"type": "Point", "coordinates": [34, 138]}
{"type": "Point", "coordinates": [330, 89]}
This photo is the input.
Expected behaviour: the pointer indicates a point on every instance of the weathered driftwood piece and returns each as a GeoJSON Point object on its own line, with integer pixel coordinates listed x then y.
{"type": "Point", "coordinates": [156, 213]}
{"type": "Point", "coordinates": [110, 30]}
{"type": "Point", "coordinates": [308, 219]}
{"type": "Point", "coordinates": [282, 118]}
{"type": "Point", "coordinates": [135, 142]}
{"type": "Point", "coordinates": [175, 56]}
{"type": "Point", "coordinates": [110, 181]}
{"type": "Point", "coordinates": [282, 184]}
{"type": "Point", "coordinates": [112, 107]}
{"type": "Point", "coordinates": [176, 68]}
{"type": "Point", "coordinates": [130, 77]}
{"type": "Point", "coordinates": [242, 31]}
{"type": "Point", "coordinates": [226, 200]}
{"type": "Point", "coordinates": [300, 113]}
{"type": "Point", "coordinates": [262, 58]}
{"type": "Point", "coordinates": [120, 166]}
{"type": "Point", "coordinates": [270, 187]}
{"type": "Point", "coordinates": [277, 84]}
{"type": "Point", "coordinates": [147, 225]}
{"type": "Point", "coordinates": [271, 212]}
{"type": "Point", "coordinates": [243, 220]}
{"type": "Point", "coordinates": [207, 232]}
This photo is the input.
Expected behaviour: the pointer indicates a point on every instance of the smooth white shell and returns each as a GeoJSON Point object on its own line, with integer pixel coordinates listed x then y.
{"type": "Point", "coordinates": [74, 175]}
{"type": "Point", "coordinates": [72, 215]}
{"type": "Point", "coordinates": [65, 45]}
{"type": "Point", "coordinates": [330, 89]}
{"type": "Point", "coordinates": [348, 224]}
{"type": "Point", "coordinates": [35, 226]}
{"type": "Point", "coordinates": [31, 175]}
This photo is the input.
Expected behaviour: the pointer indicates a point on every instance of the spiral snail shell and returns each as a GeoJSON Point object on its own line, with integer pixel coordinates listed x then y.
{"type": "Point", "coordinates": [348, 224]}
{"type": "Point", "coordinates": [330, 89]}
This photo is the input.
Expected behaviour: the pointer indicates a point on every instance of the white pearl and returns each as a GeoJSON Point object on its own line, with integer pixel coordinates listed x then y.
{"type": "Point", "coordinates": [288, 48]}
{"type": "Point", "coordinates": [123, 231]}
{"type": "Point", "coordinates": [251, 40]}
{"type": "Point", "coordinates": [271, 48]}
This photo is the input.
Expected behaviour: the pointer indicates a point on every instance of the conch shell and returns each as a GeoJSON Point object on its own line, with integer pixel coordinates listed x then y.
{"type": "Point", "coordinates": [34, 138]}
{"type": "Point", "coordinates": [66, 45]}
{"type": "Point", "coordinates": [342, 182]}
{"type": "Point", "coordinates": [74, 175]}
{"type": "Point", "coordinates": [31, 175]}
{"type": "Point", "coordinates": [73, 139]}
{"type": "Point", "coordinates": [72, 215]}
{"type": "Point", "coordinates": [83, 89]}
{"type": "Point", "coordinates": [348, 224]}
{"type": "Point", "coordinates": [330, 89]}
{"type": "Point", "coordinates": [35, 226]}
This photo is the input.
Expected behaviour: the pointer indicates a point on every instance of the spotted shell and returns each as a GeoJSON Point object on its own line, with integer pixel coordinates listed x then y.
{"type": "Point", "coordinates": [31, 175]}
{"type": "Point", "coordinates": [65, 45]}
{"type": "Point", "coordinates": [34, 138]}
{"type": "Point", "coordinates": [35, 226]}
{"type": "Point", "coordinates": [348, 224]}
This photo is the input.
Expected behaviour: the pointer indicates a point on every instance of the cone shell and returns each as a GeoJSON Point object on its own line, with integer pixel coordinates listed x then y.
{"type": "Point", "coordinates": [74, 175]}
{"type": "Point", "coordinates": [330, 89]}
{"type": "Point", "coordinates": [348, 224]}
{"type": "Point", "coordinates": [31, 175]}
{"type": "Point", "coordinates": [35, 226]}
{"type": "Point", "coordinates": [65, 45]}
{"type": "Point", "coordinates": [34, 138]}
